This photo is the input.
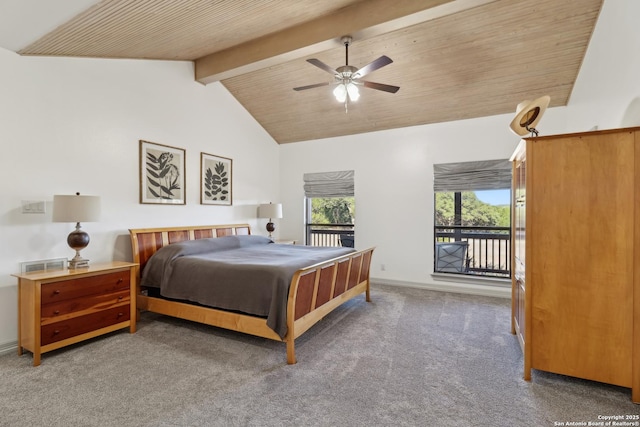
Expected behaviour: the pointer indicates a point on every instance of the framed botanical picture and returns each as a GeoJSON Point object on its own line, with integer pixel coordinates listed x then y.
{"type": "Point", "coordinates": [215, 180]}
{"type": "Point", "coordinates": [162, 174]}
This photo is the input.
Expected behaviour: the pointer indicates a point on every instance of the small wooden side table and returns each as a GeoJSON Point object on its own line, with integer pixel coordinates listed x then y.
{"type": "Point", "coordinates": [62, 307]}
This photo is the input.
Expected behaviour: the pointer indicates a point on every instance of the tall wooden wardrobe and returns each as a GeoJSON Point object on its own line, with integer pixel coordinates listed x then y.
{"type": "Point", "coordinates": [576, 255]}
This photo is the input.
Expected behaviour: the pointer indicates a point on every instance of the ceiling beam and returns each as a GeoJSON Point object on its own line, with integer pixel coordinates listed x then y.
{"type": "Point", "coordinates": [361, 20]}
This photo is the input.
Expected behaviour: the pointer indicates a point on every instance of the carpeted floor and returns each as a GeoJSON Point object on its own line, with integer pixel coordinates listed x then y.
{"type": "Point", "coordinates": [409, 358]}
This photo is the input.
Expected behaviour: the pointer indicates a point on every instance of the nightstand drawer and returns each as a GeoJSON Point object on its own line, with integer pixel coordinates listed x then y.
{"type": "Point", "coordinates": [62, 310]}
{"type": "Point", "coordinates": [79, 287]}
{"type": "Point", "coordinates": [59, 331]}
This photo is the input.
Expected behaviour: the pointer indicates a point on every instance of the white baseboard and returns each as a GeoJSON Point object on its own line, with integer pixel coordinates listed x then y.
{"type": "Point", "coordinates": [461, 288]}
{"type": "Point", "coordinates": [8, 347]}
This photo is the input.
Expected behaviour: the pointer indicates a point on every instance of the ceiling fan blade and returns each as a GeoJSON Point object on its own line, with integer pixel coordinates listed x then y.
{"type": "Point", "coordinates": [380, 86]}
{"type": "Point", "coordinates": [311, 86]}
{"type": "Point", "coordinates": [322, 66]}
{"type": "Point", "coordinates": [372, 66]}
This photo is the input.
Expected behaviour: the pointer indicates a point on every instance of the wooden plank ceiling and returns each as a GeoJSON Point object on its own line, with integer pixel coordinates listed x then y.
{"type": "Point", "coordinates": [453, 60]}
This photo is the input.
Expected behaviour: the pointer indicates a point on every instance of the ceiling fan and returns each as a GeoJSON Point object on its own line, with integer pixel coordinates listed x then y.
{"type": "Point", "coordinates": [348, 77]}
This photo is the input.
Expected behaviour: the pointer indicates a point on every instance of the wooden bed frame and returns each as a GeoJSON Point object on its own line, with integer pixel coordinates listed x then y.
{"type": "Point", "coordinates": [314, 291]}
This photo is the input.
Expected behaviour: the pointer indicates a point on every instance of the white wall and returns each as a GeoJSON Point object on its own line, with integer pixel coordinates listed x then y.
{"type": "Point", "coordinates": [394, 184]}
{"type": "Point", "coordinates": [394, 169]}
{"type": "Point", "coordinates": [607, 92]}
{"type": "Point", "coordinates": [69, 124]}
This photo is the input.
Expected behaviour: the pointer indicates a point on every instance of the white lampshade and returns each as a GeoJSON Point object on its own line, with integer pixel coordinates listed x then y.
{"type": "Point", "coordinates": [76, 208]}
{"type": "Point", "coordinates": [270, 210]}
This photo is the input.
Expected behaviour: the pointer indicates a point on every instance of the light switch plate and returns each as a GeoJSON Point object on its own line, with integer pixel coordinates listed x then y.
{"type": "Point", "coordinates": [33, 206]}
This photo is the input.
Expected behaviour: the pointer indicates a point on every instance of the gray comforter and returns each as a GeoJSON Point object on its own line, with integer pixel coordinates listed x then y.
{"type": "Point", "coordinates": [249, 274]}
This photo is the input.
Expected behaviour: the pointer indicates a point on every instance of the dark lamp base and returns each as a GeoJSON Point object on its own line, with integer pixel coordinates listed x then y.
{"type": "Point", "coordinates": [78, 240]}
{"type": "Point", "coordinates": [270, 228]}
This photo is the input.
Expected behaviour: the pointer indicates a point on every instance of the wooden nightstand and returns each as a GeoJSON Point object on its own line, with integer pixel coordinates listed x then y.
{"type": "Point", "coordinates": [63, 307]}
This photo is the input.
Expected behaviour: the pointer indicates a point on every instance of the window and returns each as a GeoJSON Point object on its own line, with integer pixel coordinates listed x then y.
{"type": "Point", "coordinates": [330, 221]}
{"type": "Point", "coordinates": [473, 218]}
{"type": "Point", "coordinates": [330, 208]}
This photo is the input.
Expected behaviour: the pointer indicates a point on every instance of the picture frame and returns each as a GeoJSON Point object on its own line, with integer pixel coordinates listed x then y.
{"type": "Point", "coordinates": [162, 174]}
{"type": "Point", "coordinates": [216, 180]}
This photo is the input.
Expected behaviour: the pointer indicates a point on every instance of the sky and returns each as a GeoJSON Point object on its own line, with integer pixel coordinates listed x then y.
{"type": "Point", "coordinates": [494, 197]}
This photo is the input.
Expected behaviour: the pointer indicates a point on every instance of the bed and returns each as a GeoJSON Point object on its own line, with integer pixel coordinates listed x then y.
{"type": "Point", "coordinates": [313, 287]}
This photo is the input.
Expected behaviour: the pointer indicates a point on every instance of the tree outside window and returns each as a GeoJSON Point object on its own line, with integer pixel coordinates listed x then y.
{"type": "Point", "coordinates": [474, 211]}
{"type": "Point", "coordinates": [333, 210]}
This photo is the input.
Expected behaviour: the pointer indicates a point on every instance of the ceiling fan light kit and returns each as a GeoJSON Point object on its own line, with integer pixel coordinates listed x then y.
{"type": "Point", "coordinates": [347, 77]}
{"type": "Point", "coordinates": [343, 90]}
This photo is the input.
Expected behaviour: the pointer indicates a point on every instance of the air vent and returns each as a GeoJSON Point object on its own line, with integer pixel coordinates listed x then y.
{"type": "Point", "coordinates": [43, 265]}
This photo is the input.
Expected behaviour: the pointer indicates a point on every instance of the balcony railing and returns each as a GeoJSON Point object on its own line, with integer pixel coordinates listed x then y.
{"type": "Point", "coordinates": [488, 253]}
{"type": "Point", "coordinates": [330, 235]}
{"type": "Point", "coordinates": [489, 250]}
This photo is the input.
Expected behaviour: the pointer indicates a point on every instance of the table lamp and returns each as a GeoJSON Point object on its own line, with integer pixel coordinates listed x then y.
{"type": "Point", "coordinates": [76, 208]}
{"type": "Point", "coordinates": [271, 210]}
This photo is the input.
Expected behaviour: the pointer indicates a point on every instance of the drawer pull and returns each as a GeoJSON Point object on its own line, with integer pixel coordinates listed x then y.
{"type": "Point", "coordinates": [120, 298]}
{"type": "Point", "coordinates": [56, 312]}
{"type": "Point", "coordinates": [56, 332]}
{"type": "Point", "coordinates": [56, 292]}
{"type": "Point", "coordinates": [120, 280]}
{"type": "Point", "coordinates": [120, 314]}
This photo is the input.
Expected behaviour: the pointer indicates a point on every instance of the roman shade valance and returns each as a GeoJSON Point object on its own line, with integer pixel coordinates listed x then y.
{"type": "Point", "coordinates": [472, 176]}
{"type": "Point", "coordinates": [329, 184]}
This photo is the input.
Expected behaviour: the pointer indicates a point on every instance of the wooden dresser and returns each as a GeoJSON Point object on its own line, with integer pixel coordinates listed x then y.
{"type": "Point", "coordinates": [576, 249]}
{"type": "Point", "coordinates": [63, 307]}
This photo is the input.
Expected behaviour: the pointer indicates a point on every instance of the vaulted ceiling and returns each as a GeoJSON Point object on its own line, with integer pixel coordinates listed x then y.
{"type": "Point", "coordinates": [453, 60]}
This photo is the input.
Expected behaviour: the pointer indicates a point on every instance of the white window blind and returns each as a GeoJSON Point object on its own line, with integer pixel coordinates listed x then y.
{"type": "Point", "coordinates": [472, 176]}
{"type": "Point", "coordinates": [329, 184]}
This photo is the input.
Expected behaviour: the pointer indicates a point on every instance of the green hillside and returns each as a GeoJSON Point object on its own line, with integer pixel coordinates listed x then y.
{"type": "Point", "coordinates": [474, 211]}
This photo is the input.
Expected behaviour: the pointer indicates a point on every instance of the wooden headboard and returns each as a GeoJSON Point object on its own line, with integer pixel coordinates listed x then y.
{"type": "Point", "coordinates": [146, 241]}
